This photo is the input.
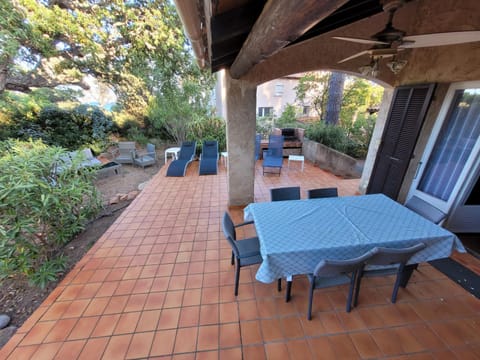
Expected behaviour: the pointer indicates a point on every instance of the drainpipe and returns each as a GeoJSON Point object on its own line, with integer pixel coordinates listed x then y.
{"type": "Point", "coordinates": [190, 15]}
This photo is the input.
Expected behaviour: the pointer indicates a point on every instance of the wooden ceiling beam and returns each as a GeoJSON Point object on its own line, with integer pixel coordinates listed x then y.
{"type": "Point", "coordinates": [280, 23]}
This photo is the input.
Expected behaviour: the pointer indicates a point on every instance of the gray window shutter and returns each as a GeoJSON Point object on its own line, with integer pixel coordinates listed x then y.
{"type": "Point", "coordinates": [405, 119]}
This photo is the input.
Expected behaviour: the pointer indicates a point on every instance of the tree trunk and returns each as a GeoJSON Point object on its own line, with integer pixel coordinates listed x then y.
{"type": "Point", "coordinates": [3, 76]}
{"type": "Point", "coordinates": [335, 96]}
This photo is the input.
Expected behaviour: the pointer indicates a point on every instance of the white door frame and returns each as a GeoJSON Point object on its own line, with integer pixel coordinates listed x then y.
{"type": "Point", "coordinates": [466, 175]}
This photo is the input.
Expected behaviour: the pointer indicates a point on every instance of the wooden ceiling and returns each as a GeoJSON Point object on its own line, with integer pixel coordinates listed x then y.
{"type": "Point", "coordinates": [232, 21]}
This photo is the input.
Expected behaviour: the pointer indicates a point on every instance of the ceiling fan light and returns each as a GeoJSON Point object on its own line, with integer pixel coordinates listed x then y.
{"type": "Point", "coordinates": [396, 65]}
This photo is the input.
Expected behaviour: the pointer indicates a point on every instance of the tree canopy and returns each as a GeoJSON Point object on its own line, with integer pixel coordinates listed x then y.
{"type": "Point", "coordinates": [135, 46]}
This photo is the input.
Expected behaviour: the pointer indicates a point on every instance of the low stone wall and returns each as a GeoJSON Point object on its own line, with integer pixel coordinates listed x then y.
{"type": "Point", "coordinates": [330, 159]}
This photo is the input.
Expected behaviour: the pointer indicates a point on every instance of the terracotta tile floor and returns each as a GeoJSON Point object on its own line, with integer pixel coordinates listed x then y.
{"type": "Point", "coordinates": [159, 284]}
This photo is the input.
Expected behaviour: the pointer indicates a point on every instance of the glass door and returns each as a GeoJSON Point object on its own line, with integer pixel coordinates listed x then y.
{"type": "Point", "coordinates": [451, 157]}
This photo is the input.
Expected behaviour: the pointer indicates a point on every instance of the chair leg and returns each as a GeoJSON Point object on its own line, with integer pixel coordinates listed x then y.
{"type": "Point", "coordinates": [237, 276]}
{"type": "Point", "coordinates": [289, 291]}
{"type": "Point", "coordinates": [353, 280]}
{"type": "Point", "coordinates": [398, 282]}
{"type": "Point", "coordinates": [233, 258]}
{"type": "Point", "coordinates": [279, 285]}
{"type": "Point", "coordinates": [310, 299]}
{"type": "Point", "coordinates": [357, 287]}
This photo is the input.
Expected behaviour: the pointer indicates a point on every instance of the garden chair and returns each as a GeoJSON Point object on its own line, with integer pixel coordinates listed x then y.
{"type": "Point", "coordinates": [333, 273]}
{"type": "Point", "coordinates": [322, 193]}
{"type": "Point", "coordinates": [242, 250]}
{"type": "Point", "coordinates": [186, 155]}
{"type": "Point", "coordinates": [245, 252]}
{"type": "Point", "coordinates": [421, 207]}
{"type": "Point", "coordinates": [285, 193]}
{"type": "Point", "coordinates": [394, 259]}
{"type": "Point", "coordinates": [258, 141]}
{"type": "Point", "coordinates": [209, 158]}
{"type": "Point", "coordinates": [124, 152]}
{"type": "Point", "coordinates": [145, 159]}
{"type": "Point", "coordinates": [273, 157]}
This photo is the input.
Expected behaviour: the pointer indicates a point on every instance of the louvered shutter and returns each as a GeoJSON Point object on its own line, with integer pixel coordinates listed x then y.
{"type": "Point", "coordinates": [405, 119]}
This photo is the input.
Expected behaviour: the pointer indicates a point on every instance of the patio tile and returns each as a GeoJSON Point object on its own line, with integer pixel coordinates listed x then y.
{"type": "Point", "coordinates": [94, 348]}
{"type": "Point", "coordinates": [159, 284]}
{"type": "Point", "coordinates": [140, 345]}
{"type": "Point", "coordinates": [117, 347]}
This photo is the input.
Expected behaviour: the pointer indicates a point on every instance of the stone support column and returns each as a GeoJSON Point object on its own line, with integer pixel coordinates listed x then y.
{"type": "Point", "coordinates": [241, 129]}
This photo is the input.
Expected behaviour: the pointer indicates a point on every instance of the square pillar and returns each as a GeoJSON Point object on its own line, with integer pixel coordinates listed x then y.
{"type": "Point", "coordinates": [241, 130]}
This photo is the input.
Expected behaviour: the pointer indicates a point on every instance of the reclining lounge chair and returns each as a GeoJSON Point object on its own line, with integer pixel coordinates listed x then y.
{"type": "Point", "coordinates": [273, 157]}
{"type": "Point", "coordinates": [209, 158]}
{"type": "Point", "coordinates": [185, 156]}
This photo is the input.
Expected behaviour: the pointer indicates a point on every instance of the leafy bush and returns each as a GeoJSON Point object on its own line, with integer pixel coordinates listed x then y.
{"type": "Point", "coordinates": [265, 125]}
{"type": "Point", "coordinates": [41, 210]}
{"type": "Point", "coordinates": [83, 126]}
{"type": "Point", "coordinates": [334, 137]}
{"type": "Point", "coordinates": [288, 117]}
{"type": "Point", "coordinates": [212, 128]}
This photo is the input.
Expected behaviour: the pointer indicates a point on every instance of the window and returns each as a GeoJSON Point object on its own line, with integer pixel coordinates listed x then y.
{"type": "Point", "coordinates": [265, 111]}
{"type": "Point", "coordinates": [278, 89]}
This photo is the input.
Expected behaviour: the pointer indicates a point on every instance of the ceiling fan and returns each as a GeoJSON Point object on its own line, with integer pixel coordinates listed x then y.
{"type": "Point", "coordinates": [389, 41]}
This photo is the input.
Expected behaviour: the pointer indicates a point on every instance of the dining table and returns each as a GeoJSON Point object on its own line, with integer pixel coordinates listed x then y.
{"type": "Point", "coordinates": [295, 235]}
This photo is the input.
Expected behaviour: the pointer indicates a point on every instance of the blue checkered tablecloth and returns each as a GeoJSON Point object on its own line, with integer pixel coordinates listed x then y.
{"type": "Point", "coordinates": [296, 235]}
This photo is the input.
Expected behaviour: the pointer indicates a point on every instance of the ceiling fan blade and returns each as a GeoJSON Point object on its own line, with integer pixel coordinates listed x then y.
{"type": "Point", "coordinates": [360, 41]}
{"type": "Point", "coordinates": [440, 39]}
{"type": "Point", "coordinates": [361, 53]}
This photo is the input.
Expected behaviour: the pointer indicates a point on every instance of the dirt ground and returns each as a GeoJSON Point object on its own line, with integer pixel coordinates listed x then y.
{"type": "Point", "coordinates": [19, 300]}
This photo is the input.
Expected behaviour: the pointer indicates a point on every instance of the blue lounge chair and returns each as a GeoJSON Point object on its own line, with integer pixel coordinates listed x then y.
{"type": "Point", "coordinates": [258, 141]}
{"type": "Point", "coordinates": [187, 152]}
{"type": "Point", "coordinates": [209, 158]}
{"type": "Point", "coordinates": [273, 157]}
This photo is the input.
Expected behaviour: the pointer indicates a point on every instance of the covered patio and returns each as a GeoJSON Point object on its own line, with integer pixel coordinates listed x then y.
{"type": "Point", "coordinates": [159, 284]}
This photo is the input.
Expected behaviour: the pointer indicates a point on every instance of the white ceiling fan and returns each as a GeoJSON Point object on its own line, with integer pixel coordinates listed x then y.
{"type": "Point", "coordinates": [389, 41]}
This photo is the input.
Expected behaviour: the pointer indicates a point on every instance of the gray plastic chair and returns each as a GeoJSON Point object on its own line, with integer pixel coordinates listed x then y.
{"type": "Point", "coordinates": [335, 272]}
{"type": "Point", "coordinates": [423, 208]}
{"type": "Point", "coordinates": [145, 159]}
{"type": "Point", "coordinates": [398, 258]}
{"type": "Point", "coordinates": [245, 252]}
{"type": "Point", "coordinates": [322, 193]}
{"type": "Point", "coordinates": [285, 193]}
{"type": "Point", "coordinates": [124, 152]}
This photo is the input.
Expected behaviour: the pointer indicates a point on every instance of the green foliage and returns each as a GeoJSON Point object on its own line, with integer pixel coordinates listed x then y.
{"type": "Point", "coordinates": [334, 137]}
{"type": "Point", "coordinates": [265, 125]}
{"type": "Point", "coordinates": [210, 128]}
{"type": "Point", "coordinates": [83, 126]}
{"type": "Point", "coordinates": [175, 107]}
{"type": "Point", "coordinates": [41, 209]}
{"type": "Point", "coordinates": [288, 117]}
{"type": "Point", "coordinates": [312, 88]}
{"type": "Point", "coordinates": [359, 94]}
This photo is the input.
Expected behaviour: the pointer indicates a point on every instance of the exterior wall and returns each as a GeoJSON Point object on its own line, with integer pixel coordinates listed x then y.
{"type": "Point", "coordinates": [267, 97]}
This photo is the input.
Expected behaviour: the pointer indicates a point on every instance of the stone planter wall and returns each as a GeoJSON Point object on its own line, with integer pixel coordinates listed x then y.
{"type": "Point", "coordinates": [331, 160]}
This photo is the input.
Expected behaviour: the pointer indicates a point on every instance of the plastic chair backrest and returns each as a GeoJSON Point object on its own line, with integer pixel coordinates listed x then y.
{"type": "Point", "coordinates": [258, 141]}
{"type": "Point", "coordinates": [423, 208]}
{"type": "Point", "coordinates": [229, 232]}
{"type": "Point", "coordinates": [337, 267]}
{"type": "Point", "coordinates": [391, 256]}
{"type": "Point", "coordinates": [322, 193]}
{"type": "Point", "coordinates": [286, 193]}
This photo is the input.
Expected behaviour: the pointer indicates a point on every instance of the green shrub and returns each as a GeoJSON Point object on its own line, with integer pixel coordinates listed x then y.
{"type": "Point", "coordinates": [334, 137]}
{"type": "Point", "coordinates": [41, 210]}
{"type": "Point", "coordinates": [288, 117]}
{"type": "Point", "coordinates": [83, 126]}
{"type": "Point", "coordinates": [212, 128]}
